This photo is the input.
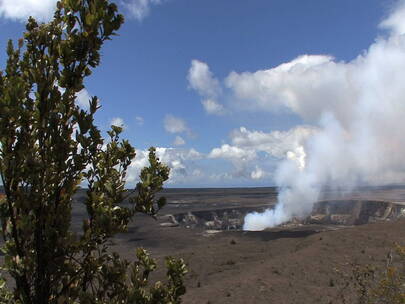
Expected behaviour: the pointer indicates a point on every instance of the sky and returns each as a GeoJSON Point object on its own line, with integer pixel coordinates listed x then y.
{"type": "Point", "coordinates": [226, 90]}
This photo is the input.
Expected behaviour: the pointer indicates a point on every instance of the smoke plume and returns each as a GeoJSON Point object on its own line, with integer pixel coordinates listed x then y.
{"type": "Point", "coordinates": [359, 108]}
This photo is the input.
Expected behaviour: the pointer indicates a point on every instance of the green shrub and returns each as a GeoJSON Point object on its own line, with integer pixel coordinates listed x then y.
{"type": "Point", "coordinates": [374, 285]}
{"type": "Point", "coordinates": [48, 147]}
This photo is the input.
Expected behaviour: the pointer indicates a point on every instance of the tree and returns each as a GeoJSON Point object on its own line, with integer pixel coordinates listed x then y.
{"type": "Point", "coordinates": [48, 147]}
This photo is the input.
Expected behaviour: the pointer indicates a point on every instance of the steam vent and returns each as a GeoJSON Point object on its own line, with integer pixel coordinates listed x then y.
{"type": "Point", "coordinates": [329, 213]}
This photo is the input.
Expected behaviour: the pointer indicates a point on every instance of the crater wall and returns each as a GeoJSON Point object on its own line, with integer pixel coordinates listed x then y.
{"type": "Point", "coordinates": [327, 212]}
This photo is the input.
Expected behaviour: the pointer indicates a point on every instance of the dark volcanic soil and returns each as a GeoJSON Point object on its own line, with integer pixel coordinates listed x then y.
{"type": "Point", "coordinates": [283, 265]}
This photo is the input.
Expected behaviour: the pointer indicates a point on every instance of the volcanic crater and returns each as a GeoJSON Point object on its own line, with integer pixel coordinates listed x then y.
{"type": "Point", "coordinates": [230, 266]}
{"type": "Point", "coordinates": [333, 213]}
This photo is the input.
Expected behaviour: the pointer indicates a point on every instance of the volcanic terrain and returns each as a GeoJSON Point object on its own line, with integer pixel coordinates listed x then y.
{"type": "Point", "coordinates": [304, 261]}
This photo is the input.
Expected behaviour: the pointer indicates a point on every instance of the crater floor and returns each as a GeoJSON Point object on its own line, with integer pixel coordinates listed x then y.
{"type": "Point", "coordinates": [294, 263]}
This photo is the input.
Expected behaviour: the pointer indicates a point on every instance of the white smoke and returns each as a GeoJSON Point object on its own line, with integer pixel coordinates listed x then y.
{"type": "Point", "coordinates": [360, 109]}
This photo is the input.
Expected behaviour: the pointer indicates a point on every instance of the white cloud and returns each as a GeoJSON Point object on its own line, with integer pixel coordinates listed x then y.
{"type": "Point", "coordinates": [42, 10]}
{"type": "Point", "coordinates": [395, 22]}
{"type": "Point", "coordinates": [257, 173]}
{"type": "Point", "coordinates": [181, 162]}
{"type": "Point", "coordinates": [139, 9]}
{"type": "Point", "coordinates": [202, 80]}
{"type": "Point", "coordinates": [249, 149]}
{"type": "Point", "coordinates": [175, 124]}
{"type": "Point", "coordinates": [194, 154]}
{"type": "Point", "coordinates": [82, 98]}
{"type": "Point", "coordinates": [118, 121]}
{"type": "Point", "coordinates": [308, 86]}
{"type": "Point", "coordinates": [190, 167]}
{"type": "Point", "coordinates": [139, 120]}
{"type": "Point", "coordinates": [276, 144]}
{"type": "Point", "coordinates": [211, 106]}
{"type": "Point", "coordinates": [179, 141]}
{"type": "Point", "coordinates": [232, 153]}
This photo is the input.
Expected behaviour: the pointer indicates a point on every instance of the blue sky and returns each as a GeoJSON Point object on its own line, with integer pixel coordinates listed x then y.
{"type": "Point", "coordinates": [168, 78]}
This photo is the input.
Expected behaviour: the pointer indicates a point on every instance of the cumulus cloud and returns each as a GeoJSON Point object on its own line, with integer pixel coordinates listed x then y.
{"type": "Point", "coordinates": [202, 80]}
{"type": "Point", "coordinates": [395, 22]}
{"type": "Point", "coordinates": [249, 148]}
{"type": "Point", "coordinates": [252, 155]}
{"type": "Point", "coordinates": [308, 86]}
{"type": "Point", "coordinates": [233, 153]}
{"type": "Point", "coordinates": [182, 164]}
{"type": "Point", "coordinates": [42, 10]}
{"type": "Point", "coordinates": [179, 141]}
{"type": "Point", "coordinates": [139, 9]}
{"type": "Point", "coordinates": [257, 173]}
{"type": "Point", "coordinates": [277, 143]}
{"type": "Point", "coordinates": [249, 154]}
{"type": "Point", "coordinates": [211, 106]}
{"type": "Point", "coordinates": [175, 124]}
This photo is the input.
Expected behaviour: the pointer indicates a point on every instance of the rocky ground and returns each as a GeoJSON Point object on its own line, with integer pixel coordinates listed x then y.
{"type": "Point", "coordinates": [290, 264]}
{"type": "Point", "coordinates": [282, 265]}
